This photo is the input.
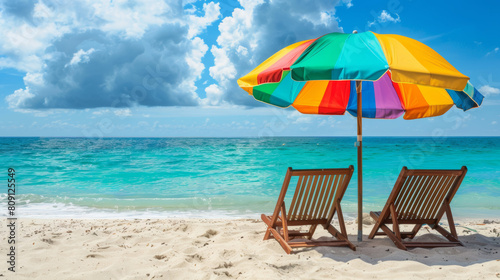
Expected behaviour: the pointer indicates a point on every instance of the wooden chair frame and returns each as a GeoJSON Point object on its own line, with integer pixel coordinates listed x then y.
{"type": "Point", "coordinates": [420, 197]}
{"type": "Point", "coordinates": [316, 200]}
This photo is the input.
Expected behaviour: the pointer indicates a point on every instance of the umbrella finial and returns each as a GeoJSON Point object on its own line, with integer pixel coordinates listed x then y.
{"type": "Point", "coordinates": [355, 32]}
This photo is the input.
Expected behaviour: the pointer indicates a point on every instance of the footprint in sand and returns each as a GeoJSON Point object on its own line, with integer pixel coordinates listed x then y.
{"type": "Point", "coordinates": [94, 256]}
{"type": "Point", "coordinates": [224, 265]}
{"type": "Point", "coordinates": [48, 241]}
{"type": "Point", "coordinates": [195, 257]}
{"type": "Point", "coordinates": [200, 244]}
{"type": "Point", "coordinates": [222, 273]}
{"type": "Point", "coordinates": [209, 233]}
{"type": "Point", "coordinates": [182, 228]}
{"type": "Point", "coordinates": [282, 267]}
{"type": "Point", "coordinates": [161, 257]}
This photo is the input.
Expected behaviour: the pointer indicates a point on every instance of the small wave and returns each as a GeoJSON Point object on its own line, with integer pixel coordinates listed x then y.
{"type": "Point", "coordinates": [69, 211]}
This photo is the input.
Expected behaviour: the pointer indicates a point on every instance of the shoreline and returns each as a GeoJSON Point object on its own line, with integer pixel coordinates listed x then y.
{"type": "Point", "coordinates": [65, 211]}
{"type": "Point", "coordinates": [188, 248]}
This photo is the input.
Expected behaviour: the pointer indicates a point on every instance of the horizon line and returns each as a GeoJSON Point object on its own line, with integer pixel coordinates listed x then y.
{"type": "Point", "coordinates": [254, 137]}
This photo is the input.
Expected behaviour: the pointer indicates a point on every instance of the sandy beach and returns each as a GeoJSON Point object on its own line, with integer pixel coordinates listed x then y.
{"type": "Point", "coordinates": [233, 249]}
{"type": "Point", "coordinates": [143, 139]}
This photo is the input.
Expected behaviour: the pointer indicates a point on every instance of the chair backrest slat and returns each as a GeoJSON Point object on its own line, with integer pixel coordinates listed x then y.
{"type": "Point", "coordinates": [338, 196]}
{"type": "Point", "coordinates": [321, 197]}
{"type": "Point", "coordinates": [413, 187]}
{"type": "Point", "coordinates": [419, 197]}
{"type": "Point", "coordinates": [421, 194]}
{"type": "Point", "coordinates": [402, 195]}
{"type": "Point", "coordinates": [294, 199]}
{"type": "Point", "coordinates": [316, 191]}
{"type": "Point", "coordinates": [299, 189]}
{"type": "Point", "coordinates": [303, 198]}
{"type": "Point", "coordinates": [330, 195]}
{"type": "Point", "coordinates": [312, 192]}
{"type": "Point", "coordinates": [445, 189]}
{"type": "Point", "coordinates": [427, 197]}
{"type": "Point", "coordinates": [314, 201]}
{"type": "Point", "coordinates": [432, 195]}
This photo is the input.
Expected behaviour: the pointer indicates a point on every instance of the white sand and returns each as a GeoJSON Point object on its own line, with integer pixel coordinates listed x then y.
{"type": "Point", "coordinates": [220, 249]}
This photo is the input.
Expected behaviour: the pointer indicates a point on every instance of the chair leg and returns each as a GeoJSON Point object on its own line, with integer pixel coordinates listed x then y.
{"type": "Point", "coordinates": [337, 234]}
{"type": "Point", "coordinates": [453, 237]}
{"type": "Point", "coordinates": [342, 234]}
{"type": "Point", "coordinates": [395, 224]}
{"type": "Point", "coordinates": [451, 223]}
{"type": "Point", "coordinates": [284, 220]}
{"type": "Point", "coordinates": [376, 226]}
{"type": "Point", "coordinates": [281, 241]}
{"type": "Point", "coordinates": [267, 221]}
{"type": "Point", "coordinates": [414, 231]}
{"type": "Point", "coordinates": [340, 216]}
{"type": "Point", "coordinates": [275, 230]}
{"type": "Point", "coordinates": [397, 241]}
{"type": "Point", "coordinates": [268, 233]}
{"type": "Point", "coordinates": [446, 234]}
{"type": "Point", "coordinates": [374, 231]}
{"type": "Point", "coordinates": [311, 231]}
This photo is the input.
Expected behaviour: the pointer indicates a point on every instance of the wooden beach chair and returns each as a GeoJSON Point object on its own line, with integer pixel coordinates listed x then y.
{"type": "Point", "coordinates": [316, 199]}
{"type": "Point", "coordinates": [419, 197]}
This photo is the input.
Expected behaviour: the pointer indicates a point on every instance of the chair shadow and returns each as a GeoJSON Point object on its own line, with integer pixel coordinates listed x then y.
{"type": "Point", "coordinates": [477, 249]}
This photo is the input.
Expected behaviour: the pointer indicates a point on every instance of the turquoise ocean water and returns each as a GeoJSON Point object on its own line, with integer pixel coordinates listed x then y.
{"type": "Point", "coordinates": [226, 177]}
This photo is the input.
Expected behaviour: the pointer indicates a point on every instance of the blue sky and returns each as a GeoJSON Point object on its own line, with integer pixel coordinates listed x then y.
{"type": "Point", "coordinates": [169, 68]}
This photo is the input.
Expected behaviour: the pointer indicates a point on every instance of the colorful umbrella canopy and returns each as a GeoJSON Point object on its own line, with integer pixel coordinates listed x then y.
{"type": "Point", "coordinates": [400, 76]}
{"type": "Point", "coordinates": [369, 75]}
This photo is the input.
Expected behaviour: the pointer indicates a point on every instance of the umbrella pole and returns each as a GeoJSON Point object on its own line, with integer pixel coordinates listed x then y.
{"type": "Point", "coordinates": [360, 164]}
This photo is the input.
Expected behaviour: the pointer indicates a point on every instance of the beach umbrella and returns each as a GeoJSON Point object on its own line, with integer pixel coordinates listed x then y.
{"type": "Point", "coordinates": [369, 75]}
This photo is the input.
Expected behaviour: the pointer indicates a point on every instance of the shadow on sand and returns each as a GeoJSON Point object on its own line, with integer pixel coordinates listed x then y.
{"type": "Point", "coordinates": [478, 249]}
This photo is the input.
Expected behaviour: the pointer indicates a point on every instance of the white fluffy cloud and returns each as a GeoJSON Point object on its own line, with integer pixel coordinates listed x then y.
{"type": "Point", "coordinates": [487, 90]}
{"type": "Point", "coordinates": [494, 51]}
{"type": "Point", "coordinates": [124, 53]}
{"type": "Point", "coordinates": [214, 96]}
{"type": "Point", "coordinates": [81, 56]}
{"type": "Point", "coordinates": [385, 17]}
{"type": "Point", "coordinates": [94, 53]}
{"type": "Point", "coordinates": [348, 3]}
{"type": "Point", "coordinates": [198, 24]}
{"type": "Point", "coordinates": [257, 30]}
